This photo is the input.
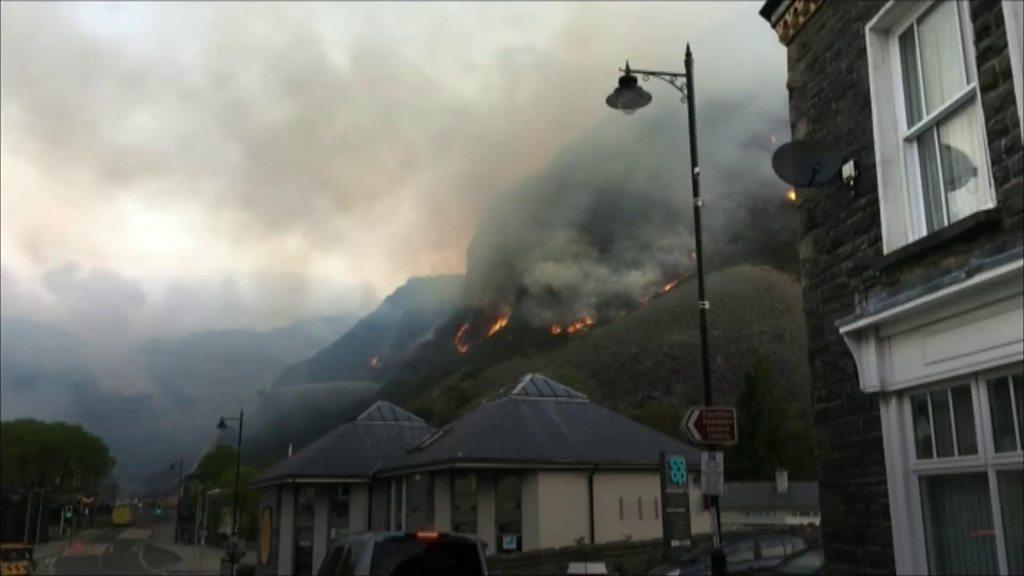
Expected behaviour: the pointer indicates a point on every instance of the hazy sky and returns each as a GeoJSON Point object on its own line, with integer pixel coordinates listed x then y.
{"type": "Point", "coordinates": [174, 166]}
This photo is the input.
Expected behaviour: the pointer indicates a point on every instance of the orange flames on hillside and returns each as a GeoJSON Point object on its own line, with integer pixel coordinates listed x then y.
{"type": "Point", "coordinates": [460, 339]}
{"type": "Point", "coordinates": [574, 327]}
{"type": "Point", "coordinates": [498, 325]}
{"type": "Point", "coordinates": [791, 196]}
{"type": "Point", "coordinates": [669, 286]}
{"type": "Point", "coordinates": [469, 335]}
{"type": "Point", "coordinates": [375, 362]}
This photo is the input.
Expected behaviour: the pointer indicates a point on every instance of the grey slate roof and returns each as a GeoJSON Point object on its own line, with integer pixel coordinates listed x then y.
{"type": "Point", "coordinates": [544, 422]}
{"type": "Point", "coordinates": [377, 438]}
{"type": "Point", "coordinates": [762, 497]}
{"type": "Point", "coordinates": [540, 386]}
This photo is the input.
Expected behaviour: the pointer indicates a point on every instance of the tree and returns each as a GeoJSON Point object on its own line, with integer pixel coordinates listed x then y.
{"type": "Point", "coordinates": [216, 469]}
{"type": "Point", "coordinates": [54, 455]}
{"type": "Point", "coordinates": [771, 434]}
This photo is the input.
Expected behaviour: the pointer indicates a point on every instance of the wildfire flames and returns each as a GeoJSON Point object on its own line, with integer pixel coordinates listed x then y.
{"type": "Point", "coordinates": [556, 329]}
{"type": "Point", "coordinates": [573, 327]}
{"type": "Point", "coordinates": [460, 339]}
{"type": "Point", "coordinates": [375, 362]}
{"type": "Point", "coordinates": [669, 286]}
{"type": "Point", "coordinates": [498, 325]}
{"type": "Point", "coordinates": [791, 196]}
{"type": "Point", "coordinates": [467, 335]}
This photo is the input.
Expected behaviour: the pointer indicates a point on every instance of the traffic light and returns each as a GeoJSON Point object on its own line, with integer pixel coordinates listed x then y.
{"type": "Point", "coordinates": [159, 509]}
{"type": "Point", "coordinates": [68, 511]}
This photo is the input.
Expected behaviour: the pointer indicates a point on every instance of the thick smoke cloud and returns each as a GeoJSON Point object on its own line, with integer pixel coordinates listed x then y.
{"type": "Point", "coordinates": [610, 220]}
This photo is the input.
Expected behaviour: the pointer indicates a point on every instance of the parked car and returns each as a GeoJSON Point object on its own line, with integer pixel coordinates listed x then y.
{"type": "Point", "coordinates": [807, 562]}
{"type": "Point", "coordinates": [744, 554]}
{"type": "Point", "coordinates": [405, 554]}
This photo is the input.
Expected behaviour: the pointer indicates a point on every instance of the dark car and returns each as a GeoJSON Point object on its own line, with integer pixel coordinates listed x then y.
{"type": "Point", "coordinates": [405, 554]}
{"type": "Point", "coordinates": [744, 554]}
{"type": "Point", "coordinates": [807, 562]}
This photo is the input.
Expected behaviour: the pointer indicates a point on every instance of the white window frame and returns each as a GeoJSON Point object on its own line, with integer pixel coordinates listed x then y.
{"type": "Point", "coordinates": [1013, 16]}
{"type": "Point", "coordinates": [986, 460]}
{"type": "Point", "coordinates": [902, 209]}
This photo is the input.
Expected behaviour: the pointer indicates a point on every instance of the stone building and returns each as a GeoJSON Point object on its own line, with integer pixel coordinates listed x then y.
{"type": "Point", "coordinates": [912, 278]}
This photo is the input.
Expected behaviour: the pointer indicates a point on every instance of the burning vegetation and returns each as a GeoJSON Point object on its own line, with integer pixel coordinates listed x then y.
{"type": "Point", "coordinates": [375, 362]}
{"type": "Point", "coordinates": [478, 329]}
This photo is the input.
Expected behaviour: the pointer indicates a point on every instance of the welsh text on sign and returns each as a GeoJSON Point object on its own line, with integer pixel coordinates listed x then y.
{"type": "Point", "coordinates": [711, 425]}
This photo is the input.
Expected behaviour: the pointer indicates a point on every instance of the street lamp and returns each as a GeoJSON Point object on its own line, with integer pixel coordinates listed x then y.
{"type": "Point", "coordinates": [629, 97]}
{"type": "Point", "coordinates": [180, 465]}
{"type": "Point", "coordinates": [222, 425]}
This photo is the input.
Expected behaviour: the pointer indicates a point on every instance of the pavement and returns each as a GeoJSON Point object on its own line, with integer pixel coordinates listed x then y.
{"type": "Point", "coordinates": [148, 547]}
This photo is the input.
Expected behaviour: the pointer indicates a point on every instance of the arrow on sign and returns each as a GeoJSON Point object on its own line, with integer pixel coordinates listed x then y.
{"type": "Point", "coordinates": [711, 425]}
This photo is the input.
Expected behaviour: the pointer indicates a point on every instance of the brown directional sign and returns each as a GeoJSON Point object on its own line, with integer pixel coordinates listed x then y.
{"type": "Point", "coordinates": [711, 425]}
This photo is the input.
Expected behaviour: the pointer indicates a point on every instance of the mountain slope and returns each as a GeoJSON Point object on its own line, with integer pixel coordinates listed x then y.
{"type": "Point", "coordinates": [647, 359]}
{"type": "Point", "coordinates": [380, 342]}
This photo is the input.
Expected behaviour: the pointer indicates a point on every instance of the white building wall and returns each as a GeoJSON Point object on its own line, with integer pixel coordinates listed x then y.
{"type": "Point", "coordinates": [321, 512]}
{"type": "Point", "coordinates": [359, 508]}
{"type": "Point", "coordinates": [563, 512]}
{"type": "Point", "coordinates": [442, 501]}
{"type": "Point", "coordinates": [626, 506]}
{"type": "Point", "coordinates": [286, 535]}
{"type": "Point", "coordinates": [531, 511]}
{"type": "Point", "coordinates": [700, 518]}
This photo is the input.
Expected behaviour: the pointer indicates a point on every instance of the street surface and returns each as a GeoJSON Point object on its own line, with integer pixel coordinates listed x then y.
{"type": "Point", "coordinates": [114, 550]}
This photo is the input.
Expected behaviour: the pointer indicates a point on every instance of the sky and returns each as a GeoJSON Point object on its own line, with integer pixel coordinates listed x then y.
{"type": "Point", "coordinates": [170, 167]}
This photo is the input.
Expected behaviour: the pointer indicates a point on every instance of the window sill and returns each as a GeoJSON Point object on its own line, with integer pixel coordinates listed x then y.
{"type": "Point", "coordinates": [927, 244]}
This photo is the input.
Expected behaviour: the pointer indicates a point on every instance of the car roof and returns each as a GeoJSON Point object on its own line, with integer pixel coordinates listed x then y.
{"type": "Point", "coordinates": [381, 536]}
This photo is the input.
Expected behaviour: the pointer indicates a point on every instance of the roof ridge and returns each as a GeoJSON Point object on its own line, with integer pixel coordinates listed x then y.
{"type": "Point", "coordinates": [539, 386]}
{"type": "Point", "coordinates": [384, 411]}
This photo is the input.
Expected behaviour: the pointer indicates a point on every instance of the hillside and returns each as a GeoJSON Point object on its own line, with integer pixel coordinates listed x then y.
{"type": "Point", "coordinates": [382, 340]}
{"type": "Point", "coordinates": [647, 363]}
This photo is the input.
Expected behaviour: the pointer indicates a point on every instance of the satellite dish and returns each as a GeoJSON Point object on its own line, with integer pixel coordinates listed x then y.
{"type": "Point", "coordinates": [957, 167]}
{"type": "Point", "coordinates": [805, 163]}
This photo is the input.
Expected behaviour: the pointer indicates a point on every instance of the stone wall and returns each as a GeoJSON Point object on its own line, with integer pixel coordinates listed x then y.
{"type": "Point", "coordinates": [841, 256]}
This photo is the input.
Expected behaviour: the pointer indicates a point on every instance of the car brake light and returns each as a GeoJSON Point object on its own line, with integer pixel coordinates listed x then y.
{"type": "Point", "coordinates": [429, 536]}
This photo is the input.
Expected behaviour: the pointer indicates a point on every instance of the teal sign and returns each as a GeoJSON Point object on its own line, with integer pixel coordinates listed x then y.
{"type": "Point", "coordinates": [676, 470]}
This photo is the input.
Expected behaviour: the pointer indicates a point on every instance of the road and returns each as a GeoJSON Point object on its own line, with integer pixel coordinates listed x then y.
{"type": "Point", "coordinates": [115, 550]}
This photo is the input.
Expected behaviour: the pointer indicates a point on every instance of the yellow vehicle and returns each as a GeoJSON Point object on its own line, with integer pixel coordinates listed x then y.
{"type": "Point", "coordinates": [123, 514]}
{"type": "Point", "coordinates": [16, 559]}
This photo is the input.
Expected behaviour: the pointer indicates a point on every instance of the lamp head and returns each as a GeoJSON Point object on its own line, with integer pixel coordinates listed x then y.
{"type": "Point", "coordinates": [628, 97]}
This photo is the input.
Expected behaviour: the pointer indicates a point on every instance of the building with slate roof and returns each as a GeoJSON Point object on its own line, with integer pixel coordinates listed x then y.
{"type": "Point", "coordinates": [323, 490]}
{"type": "Point", "coordinates": [755, 505]}
{"type": "Point", "coordinates": [540, 468]}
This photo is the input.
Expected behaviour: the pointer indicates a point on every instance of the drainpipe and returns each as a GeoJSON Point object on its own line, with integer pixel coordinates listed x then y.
{"type": "Point", "coordinates": [590, 498]}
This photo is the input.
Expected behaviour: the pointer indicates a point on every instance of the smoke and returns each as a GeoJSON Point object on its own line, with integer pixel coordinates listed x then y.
{"type": "Point", "coordinates": [609, 221]}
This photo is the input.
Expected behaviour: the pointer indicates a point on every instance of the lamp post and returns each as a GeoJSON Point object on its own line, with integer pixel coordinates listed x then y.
{"type": "Point", "coordinates": [180, 465]}
{"type": "Point", "coordinates": [629, 97]}
{"type": "Point", "coordinates": [222, 425]}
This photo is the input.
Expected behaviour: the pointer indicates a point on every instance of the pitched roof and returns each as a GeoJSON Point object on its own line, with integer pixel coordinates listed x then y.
{"type": "Point", "coordinates": [355, 450]}
{"type": "Point", "coordinates": [384, 411]}
{"type": "Point", "coordinates": [762, 497]}
{"type": "Point", "coordinates": [544, 422]}
{"type": "Point", "coordinates": [540, 386]}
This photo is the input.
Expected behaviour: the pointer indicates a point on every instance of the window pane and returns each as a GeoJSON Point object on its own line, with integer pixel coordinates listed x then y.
{"type": "Point", "coordinates": [742, 551]}
{"type": "Point", "coordinates": [958, 524]}
{"type": "Point", "coordinates": [464, 504]}
{"type": "Point", "coordinates": [1018, 397]}
{"type": "Point", "coordinates": [911, 77]}
{"type": "Point", "coordinates": [960, 147]}
{"type": "Point", "coordinates": [922, 426]}
{"type": "Point", "coordinates": [963, 413]}
{"type": "Point", "coordinates": [942, 423]}
{"type": "Point", "coordinates": [1011, 487]}
{"type": "Point", "coordinates": [772, 549]}
{"type": "Point", "coordinates": [941, 55]}
{"type": "Point", "coordinates": [1001, 409]}
{"type": "Point", "coordinates": [508, 515]}
{"type": "Point", "coordinates": [339, 524]}
{"type": "Point", "coordinates": [931, 189]}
